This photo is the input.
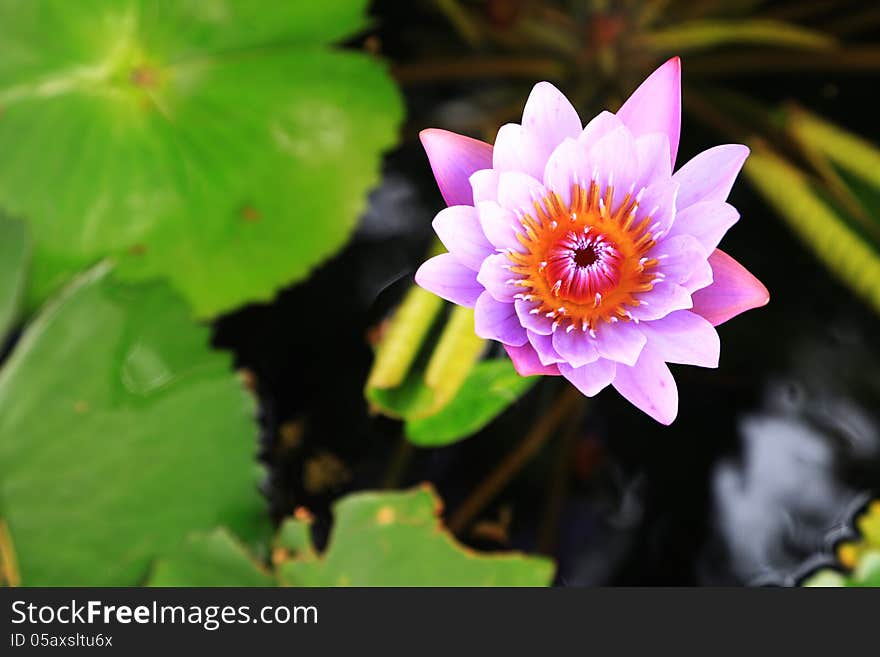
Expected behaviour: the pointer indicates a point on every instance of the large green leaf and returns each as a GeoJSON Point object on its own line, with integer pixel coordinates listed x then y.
{"type": "Point", "coordinates": [395, 539]}
{"type": "Point", "coordinates": [14, 257]}
{"type": "Point", "coordinates": [218, 143]}
{"type": "Point", "coordinates": [216, 558]}
{"type": "Point", "coordinates": [120, 432]}
{"type": "Point", "coordinates": [491, 387]}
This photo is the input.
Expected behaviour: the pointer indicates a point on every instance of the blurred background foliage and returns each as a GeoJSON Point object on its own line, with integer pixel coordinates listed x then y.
{"type": "Point", "coordinates": [167, 163]}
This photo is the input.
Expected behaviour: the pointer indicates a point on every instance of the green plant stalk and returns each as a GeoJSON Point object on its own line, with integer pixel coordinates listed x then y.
{"type": "Point", "coordinates": [840, 248]}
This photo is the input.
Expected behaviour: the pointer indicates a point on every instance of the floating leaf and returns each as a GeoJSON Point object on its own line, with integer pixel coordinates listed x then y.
{"type": "Point", "coordinates": [395, 539]}
{"type": "Point", "coordinates": [221, 145]}
{"type": "Point", "coordinates": [14, 257]}
{"type": "Point", "coordinates": [491, 387]}
{"type": "Point", "coordinates": [120, 432]}
{"type": "Point", "coordinates": [859, 559]}
{"type": "Point", "coordinates": [216, 558]}
{"type": "Point", "coordinates": [701, 34]}
{"type": "Point", "coordinates": [843, 250]}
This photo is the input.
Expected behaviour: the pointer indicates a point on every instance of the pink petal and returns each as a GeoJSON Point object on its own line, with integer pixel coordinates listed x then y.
{"type": "Point", "coordinates": [568, 164]}
{"type": "Point", "coordinates": [708, 221]}
{"type": "Point", "coordinates": [601, 125]}
{"type": "Point", "coordinates": [518, 191]}
{"type": "Point", "coordinates": [536, 322]}
{"type": "Point", "coordinates": [652, 152]}
{"type": "Point", "coordinates": [526, 363]}
{"type": "Point", "coordinates": [453, 159]}
{"type": "Point", "coordinates": [615, 161]}
{"type": "Point", "coordinates": [656, 105]}
{"type": "Point", "coordinates": [649, 386]}
{"type": "Point", "coordinates": [495, 276]}
{"type": "Point", "coordinates": [658, 202]}
{"type": "Point", "coordinates": [446, 277]}
{"type": "Point", "coordinates": [494, 320]}
{"type": "Point", "coordinates": [683, 337]}
{"type": "Point", "coordinates": [621, 342]}
{"type": "Point", "coordinates": [484, 184]}
{"type": "Point", "coordinates": [499, 225]}
{"type": "Point", "coordinates": [550, 117]}
{"type": "Point", "coordinates": [683, 261]}
{"type": "Point", "coordinates": [710, 175]}
{"type": "Point", "coordinates": [459, 229]}
{"type": "Point", "coordinates": [733, 291]}
{"type": "Point", "coordinates": [516, 149]}
{"type": "Point", "coordinates": [590, 379]}
{"type": "Point", "coordinates": [664, 298]}
{"type": "Point", "coordinates": [575, 346]}
{"type": "Point", "coordinates": [543, 346]}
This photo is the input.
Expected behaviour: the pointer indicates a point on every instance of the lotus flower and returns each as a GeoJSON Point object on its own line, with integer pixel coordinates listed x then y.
{"type": "Point", "coordinates": [582, 252]}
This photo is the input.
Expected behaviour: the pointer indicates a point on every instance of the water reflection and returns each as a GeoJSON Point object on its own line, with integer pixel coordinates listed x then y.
{"type": "Point", "coordinates": [808, 460]}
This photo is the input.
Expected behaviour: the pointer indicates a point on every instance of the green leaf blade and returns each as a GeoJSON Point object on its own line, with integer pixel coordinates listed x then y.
{"type": "Point", "coordinates": [120, 432]}
{"type": "Point", "coordinates": [490, 388]}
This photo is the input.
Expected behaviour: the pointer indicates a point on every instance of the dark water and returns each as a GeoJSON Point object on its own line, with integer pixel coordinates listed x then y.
{"type": "Point", "coordinates": [768, 459]}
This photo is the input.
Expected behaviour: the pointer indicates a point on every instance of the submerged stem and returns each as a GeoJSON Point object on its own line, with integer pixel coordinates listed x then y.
{"type": "Point", "coordinates": [540, 432]}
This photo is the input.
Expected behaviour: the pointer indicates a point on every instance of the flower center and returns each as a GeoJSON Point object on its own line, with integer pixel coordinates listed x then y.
{"type": "Point", "coordinates": [585, 263]}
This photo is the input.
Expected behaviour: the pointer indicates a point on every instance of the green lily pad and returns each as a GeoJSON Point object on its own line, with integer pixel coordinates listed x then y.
{"type": "Point", "coordinates": [396, 539]}
{"type": "Point", "coordinates": [14, 258]}
{"type": "Point", "coordinates": [489, 389]}
{"type": "Point", "coordinates": [220, 144]}
{"type": "Point", "coordinates": [120, 433]}
{"type": "Point", "coordinates": [216, 558]}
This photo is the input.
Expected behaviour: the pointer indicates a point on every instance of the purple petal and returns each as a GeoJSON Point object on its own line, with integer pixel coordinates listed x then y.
{"type": "Point", "coordinates": [459, 229]}
{"type": "Point", "coordinates": [601, 125]}
{"type": "Point", "coordinates": [446, 277]}
{"type": "Point", "coordinates": [550, 117]}
{"type": "Point", "coordinates": [709, 176]}
{"type": "Point", "coordinates": [543, 346]}
{"type": "Point", "coordinates": [535, 322]}
{"type": "Point", "coordinates": [658, 202]}
{"type": "Point", "coordinates": [453, 159]}
{"type": "Point", "coordinates": [620, 341]}
{"type": "Point", "coordinates": [653, 155]}
{"type": "Point", "coordinates": [495, 276]}
{"type": "Point", "coordinates": [683, 261]}
{"type": "Point", "coordinates": [516, 149]}
{"type": "Point", "coordinates": [656, 105]}
{"type": "Point", "coordinates": [519, 191]}
{"type": "Point", "coordinates": [526, 363]}
{"type": "Point", "coordinates": [615, 161]}
{"type": "Point", "coordinates": [733, 291]}
{"type": "Point", "coordinates": [499, 225]}
{"type": "Point", "coordinates": [567, 165]}
{"type": "Point", "coordinates": [664, 298]}
{"type": "Point", "coordinates": [683, 337]}
{"type": "Point", "coordinates": [575, 346]}
{"type": "Point", "coordinates": [649, 386]}
{"type": "Point", "coordinates": [708, 221]}
{"type": "Point", "coordinates": [590, 379]}
{"type": "Point", "coordinates": [484, 184]}
{"type": "Point", "coordinates": [494, 320]}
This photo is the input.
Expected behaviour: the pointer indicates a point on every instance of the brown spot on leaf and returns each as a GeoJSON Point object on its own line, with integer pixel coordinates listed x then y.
{"type": "Point", "coordinates": [81, 406]}
{"type": "Point", "coordinates": [250, 214]}
{"type": "Point", "coordinates": [385, 516]}
{"type": "Point", "coordinates": [144, 77]}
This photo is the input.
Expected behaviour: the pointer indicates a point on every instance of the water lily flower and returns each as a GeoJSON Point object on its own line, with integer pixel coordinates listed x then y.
{"type": "Point", "coordinates": [582, 252]}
